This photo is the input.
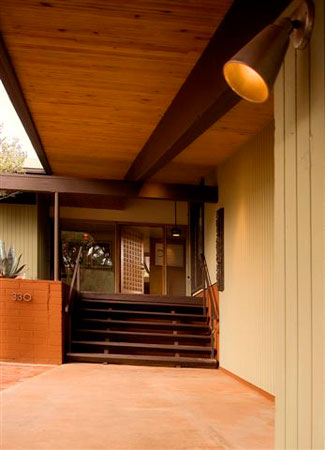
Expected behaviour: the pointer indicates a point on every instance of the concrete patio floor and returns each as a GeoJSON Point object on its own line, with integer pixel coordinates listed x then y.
{"type": "Point", "coordinates": [90, 406]}
{"type": "Point", "coordinates": [12, 374]}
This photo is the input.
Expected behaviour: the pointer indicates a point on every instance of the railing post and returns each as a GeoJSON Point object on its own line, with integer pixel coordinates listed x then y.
{"type": "Point", "coordinates": [212, 343]}
{"type": "Point", "coordinates": [74, 280]}
{"type": "Point", "coordinates": [213, 310]}
{"type": "Point", "coordinates": [56, 235]}
{"type": "Point", "coordinates": [204, 293]}
{"type": "Point", "coordinates": [78, 278]}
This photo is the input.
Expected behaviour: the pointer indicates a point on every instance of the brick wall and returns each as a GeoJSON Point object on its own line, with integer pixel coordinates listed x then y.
{"type": "Point", "coordinates": [31, 331]}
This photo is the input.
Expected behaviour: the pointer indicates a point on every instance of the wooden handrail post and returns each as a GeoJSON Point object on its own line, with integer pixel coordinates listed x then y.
{"type": "Point", "coordinates": [74, 280]}
{"type": "Point", "coordinates": [210, 307]}
{"type": "Point", "coordinates": [56, 235]}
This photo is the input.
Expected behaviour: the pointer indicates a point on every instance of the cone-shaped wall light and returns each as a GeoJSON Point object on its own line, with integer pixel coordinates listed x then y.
{"type": "Point", "coordinates": [251, 73]}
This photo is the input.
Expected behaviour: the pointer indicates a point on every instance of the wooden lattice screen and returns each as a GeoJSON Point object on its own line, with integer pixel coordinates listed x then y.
{"type": "Point", "coordinates": [132, 279]}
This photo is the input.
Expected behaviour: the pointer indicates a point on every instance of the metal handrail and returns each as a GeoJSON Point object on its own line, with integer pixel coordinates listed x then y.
{"type": "Point", "coordinates": [210, 301]}
{"type": "Point", "coordinates": [73, 281]}
{"type": "Point", "coordinates": [208, 287]}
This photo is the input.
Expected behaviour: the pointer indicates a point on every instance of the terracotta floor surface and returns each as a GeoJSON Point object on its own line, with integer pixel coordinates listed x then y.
{"type": "Point", "coordinates": [11, 374]}
{"type": "Point", "coordinates": [90, 406]}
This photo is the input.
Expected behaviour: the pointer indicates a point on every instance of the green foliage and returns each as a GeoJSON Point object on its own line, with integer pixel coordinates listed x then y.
{"type": "Point", "coordinates": [12, 158]}
{"type": "Point", "coordinates": [9, 263]}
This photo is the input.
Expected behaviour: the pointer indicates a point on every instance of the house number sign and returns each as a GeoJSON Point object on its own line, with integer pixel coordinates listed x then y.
{"type": "Point", "coordinates": [22, 296]}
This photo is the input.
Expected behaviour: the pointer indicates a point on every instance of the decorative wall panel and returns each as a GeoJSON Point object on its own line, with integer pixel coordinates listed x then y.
{"type": "Point", "coordinates": [132, 254]}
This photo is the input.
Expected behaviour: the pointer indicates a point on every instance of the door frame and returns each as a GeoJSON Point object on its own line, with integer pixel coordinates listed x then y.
{"type": "Point", "coordinates": [117, 251]}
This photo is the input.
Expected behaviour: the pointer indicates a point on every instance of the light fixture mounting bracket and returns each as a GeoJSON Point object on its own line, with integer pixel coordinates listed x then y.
{"type": "Point", "coordinates": [304, 17]}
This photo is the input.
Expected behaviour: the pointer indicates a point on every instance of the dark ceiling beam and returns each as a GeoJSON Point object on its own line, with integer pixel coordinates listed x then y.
{"type": "Point", "coordinates": [110, 188]}
{"type": "Point", "coordinates": [11, 83]}
{"type": "Point", "coordinates": [204, 97]}
{"type": "Point", "coordinates": [75, 200]}
{"type": "Point", "coordinates": [93, 201]}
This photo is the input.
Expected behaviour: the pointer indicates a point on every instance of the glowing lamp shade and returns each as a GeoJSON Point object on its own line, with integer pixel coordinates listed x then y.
{"type": "Point", "coordinates": [251, 73]}
{"type": "Point", "coordinates": [176, 232]}
{"type": "Point", "coordinates": [246, 82]}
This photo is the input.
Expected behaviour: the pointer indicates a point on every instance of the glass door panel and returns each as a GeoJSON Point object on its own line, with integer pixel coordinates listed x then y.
{"type": "Point", "coordinates": [97, 259]}
{"type": "Point", "coordinates": [197, 244]}
{"type": "Point", "coordinates": [176, 262]}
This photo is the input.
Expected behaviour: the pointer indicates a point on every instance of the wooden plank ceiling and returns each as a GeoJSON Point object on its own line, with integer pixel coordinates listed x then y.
{"type": "Point", "coordinates": [99, 74]}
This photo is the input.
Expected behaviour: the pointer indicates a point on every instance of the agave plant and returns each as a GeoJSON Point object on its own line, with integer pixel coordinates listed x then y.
{"type": "Point", "coordinates": [9, 263]}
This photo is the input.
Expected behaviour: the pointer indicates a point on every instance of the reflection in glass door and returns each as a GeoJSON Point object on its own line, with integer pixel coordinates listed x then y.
{"type": "Point", "coordinates": [97, 259]}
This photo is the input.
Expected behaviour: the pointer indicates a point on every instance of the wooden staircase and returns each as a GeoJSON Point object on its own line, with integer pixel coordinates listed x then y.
{"type": "Point", "coordinates": [141, 330]}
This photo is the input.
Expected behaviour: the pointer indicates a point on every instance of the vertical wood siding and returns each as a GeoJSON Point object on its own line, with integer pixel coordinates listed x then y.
{"type": "Point", "coordinates": [246, 187]}
{"type": "Point", "coordinates": [18, 226]}
{"type": "Point", "coordinates": [299, 244]}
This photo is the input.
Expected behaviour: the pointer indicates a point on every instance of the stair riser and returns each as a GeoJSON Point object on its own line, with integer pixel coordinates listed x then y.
{"type": "Point", "coordinates": [141, 339]}
{"type": "Point", "coordinates": [139, 351]}
{"type": "Point", "coordinates": [96, 359]}
{"type": "Point", "coordinates": [139, 317]}
{"type": "Point", "coordinates": [143, 298]}
{"type": "Point", "coordinates": [139, 307]}
{"type": "Point", "coordinates": [157, 327]}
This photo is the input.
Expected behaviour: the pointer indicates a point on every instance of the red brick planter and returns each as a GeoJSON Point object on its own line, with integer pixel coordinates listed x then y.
{"type": "Point", "coordinates": [31, 328]}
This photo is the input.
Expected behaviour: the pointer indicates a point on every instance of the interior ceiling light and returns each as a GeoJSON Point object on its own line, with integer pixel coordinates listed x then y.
{"type": "Point", "coordinates": [252, 71]}
{"type": "Point", "coordinates": [176, 232]}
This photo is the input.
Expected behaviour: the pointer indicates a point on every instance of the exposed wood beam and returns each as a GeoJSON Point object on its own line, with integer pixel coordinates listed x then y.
{"type": "Point", "coordinates": [111, 188]}
{"type": "Point", "coordinates": [66, 199]}
{"type": "Point", "coordinates": [205, 96]}
{"type": "Point", "coordinates": [10, 81]}
{"type": "Point", "coordinates": [93, 201]}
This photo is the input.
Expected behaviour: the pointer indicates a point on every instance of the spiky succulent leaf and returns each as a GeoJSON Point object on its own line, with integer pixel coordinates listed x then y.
{"type": "Point", "coordinates": [16, 264]}
{"type": "Point", "coordinates": [17, 272]}
{"type": "Point", "coordinates": [11, 257]}
{"type": "Point", "coordinates": [4, 267]}
{"type": "Point", "coordinates": [9, 263]}
{"type": "Point", "coordinates": [2, 252]}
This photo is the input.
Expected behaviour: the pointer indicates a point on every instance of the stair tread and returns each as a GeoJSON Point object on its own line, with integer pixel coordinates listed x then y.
{"type": "Point", "coordinates": [141, 345]}
{"type": "Point", "coordinates": [154, 313]}
{"type": "Point", "coordinates": [145, 334]}
{"type": "Point", "coordinates": [171, 359]}
{"type": "Point", "coordinates": [125, 302]}
{"type": "Point", "coordinates": [146, 323]}
{"type": "Point", "coordinates": [161, 320]}
{"type": "Point", "coordinates": [181, 300]}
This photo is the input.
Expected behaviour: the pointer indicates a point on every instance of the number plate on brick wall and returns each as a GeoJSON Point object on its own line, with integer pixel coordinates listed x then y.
{"type": "Point", "coordinates": [22, 296]}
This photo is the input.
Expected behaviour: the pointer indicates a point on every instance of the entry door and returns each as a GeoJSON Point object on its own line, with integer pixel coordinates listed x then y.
{"type": "Point", "coordinates": [132, 256]}
{"type": "Point", "coordinates": [176, 267]}
{"type": "Point", "coordinates": [197, 244]}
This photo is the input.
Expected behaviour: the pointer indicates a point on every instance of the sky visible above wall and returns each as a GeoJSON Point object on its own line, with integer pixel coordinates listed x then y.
{"type": "Point", "coordinates": [13, 128]}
